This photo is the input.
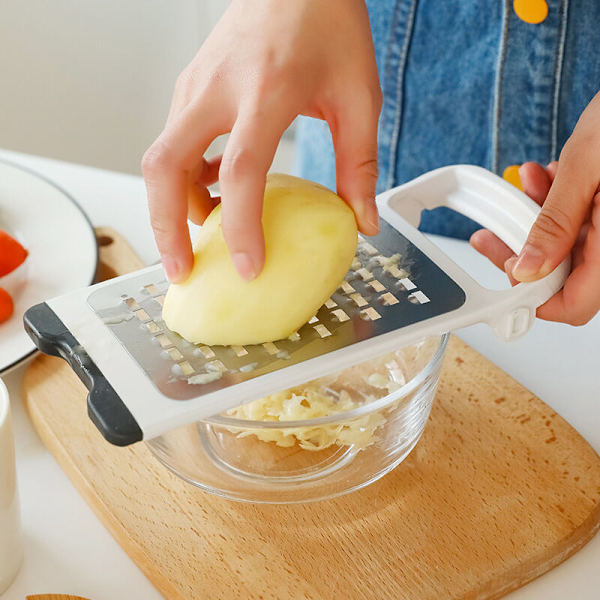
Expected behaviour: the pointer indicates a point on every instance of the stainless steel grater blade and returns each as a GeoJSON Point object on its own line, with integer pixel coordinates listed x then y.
{"type": "Point", "coordinates": [144, 379]}
{"type": "Point", "coordinates": [391, 284]}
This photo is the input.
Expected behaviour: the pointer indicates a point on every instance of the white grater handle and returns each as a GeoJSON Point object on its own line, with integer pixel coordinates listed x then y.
{"type": "Point", "coordinates": [501, 208]}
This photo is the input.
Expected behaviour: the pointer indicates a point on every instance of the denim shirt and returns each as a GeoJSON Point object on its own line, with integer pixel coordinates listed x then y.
{"type": "Point", "coordinates": [467, 81]}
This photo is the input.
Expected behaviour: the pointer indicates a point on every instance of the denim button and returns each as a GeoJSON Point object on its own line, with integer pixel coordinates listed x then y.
{"type": "Point", "coordinates": [531, 11]}
{"type": "Point", "coordinates": [511, 174]}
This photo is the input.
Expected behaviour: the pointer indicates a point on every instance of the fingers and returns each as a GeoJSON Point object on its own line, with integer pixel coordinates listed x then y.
{"type": "Point", "coordinates": [200, 201]}
{"type": "Point", "coordinates": [491, 246]}
{"type": "Point", "coordinates": [563, 213]}
{"type": "Point", "coordinates": [244, 166]}
{"type": "Point", "coordinates": [535, 180]}
{"type": "Point", "coordinates": [167, 186]}
{"type": "Point", "coordinates": [579, 300]}
{"type": "Point", "coordinates": [165, 167]}
{"type": "Point", "coordinates": [354, 132]}
{"type": "Point", "coordinates": [551, 170]}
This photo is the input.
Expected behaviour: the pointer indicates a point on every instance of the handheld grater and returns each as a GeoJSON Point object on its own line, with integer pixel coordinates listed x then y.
{"type": "Point", "coordinates": [144, 380]}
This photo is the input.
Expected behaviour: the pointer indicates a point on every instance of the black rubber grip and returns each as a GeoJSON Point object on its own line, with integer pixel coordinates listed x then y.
{"type": "Point", "coordinates": [105, 407]}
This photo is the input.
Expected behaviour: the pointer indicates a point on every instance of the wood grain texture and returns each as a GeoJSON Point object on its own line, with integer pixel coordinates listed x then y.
{"type": "Point", "coordinates": [499, 490]}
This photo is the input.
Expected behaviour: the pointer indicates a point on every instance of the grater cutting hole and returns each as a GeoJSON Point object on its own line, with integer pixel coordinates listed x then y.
{"type": "Point", "coordinates": [355, 264]}
{"type": "Point", "coordinates": [142, 315]}
{"type": "Point", "coordinates": [239, 350]}
{"type": "Point", "coordinates": [204, 351]}
{"type": "Point", "coordinates": [249, 367]}
{"type": "Point", "coordinates": [388, 299]}
{"type": "Point", "coordinates": [330, 303]}
{"type": "Point", "coordinates": [313, 320]}
{"type": "Point", "coordinates": [183, 368]}
{"type": "Point", "coordinates": [370, 314]}
{"type": "Point", "coordinates": [347, 288]}
{"type": "Point", "coordinates": [322, 330]}
{"type": "Point", "coordinates": [271, 348]}
{"type": "Point", "coordinates": [407, 284]}
{"type": "Point", "coordinates": [132, 303]}
{"type": "Point", "coordinates": [295, 337]}
{"type": "Point", "coordinates": [388, 261]}
{"type": "Point", "coordinates": [116, 319]}
{"type": "Point", "coordinates": [418, 298]}
{"type": "Point", "coordinates": [216, 365]}
{"type": "Point", "coordinates": [203, 378]}
{"type": "Point", "coordinates": [377, 285]}
{"type": "Point", "coordinates": [174, 354]}
{"type": "Point", "coordinates": [163, 340]}
{"type": "Point", "coordinates": [394, 271]}
{"type": "Point", "coordinates": [152, 327]}
{"type": "Point", "coordinates": [152, 289]}
{"type": "Point", "coordinates": [339, 315]}
{"type": "Point", "coordinates": [364, 274]}
{"type": "Point", "coordinates": [358, 300]}
{"type": "Point", "coordinates": [368, 248]}
{"type": "Point", "coordinates": [160, 299]}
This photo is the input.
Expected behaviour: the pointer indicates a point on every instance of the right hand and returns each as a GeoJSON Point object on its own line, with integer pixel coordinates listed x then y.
{"type": "Point", "coordinates": [264, 63]}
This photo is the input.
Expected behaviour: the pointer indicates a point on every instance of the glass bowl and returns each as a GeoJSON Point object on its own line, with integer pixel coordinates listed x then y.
{"type": "Point", "coordinates": [362, 423]}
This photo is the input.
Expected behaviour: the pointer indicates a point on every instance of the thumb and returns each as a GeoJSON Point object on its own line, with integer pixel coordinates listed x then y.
{"type": "Point", "coordinates": [563, 213]}
{"type": "Point", "coordinates": [354, 135]}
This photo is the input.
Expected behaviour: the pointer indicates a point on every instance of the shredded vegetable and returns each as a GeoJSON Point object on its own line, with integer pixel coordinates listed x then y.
{"type": "Point", "coordinates": [321, 398]}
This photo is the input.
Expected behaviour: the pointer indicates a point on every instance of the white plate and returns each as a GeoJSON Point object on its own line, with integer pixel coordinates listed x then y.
{"type": "Point", "coordinates": [63, 254]}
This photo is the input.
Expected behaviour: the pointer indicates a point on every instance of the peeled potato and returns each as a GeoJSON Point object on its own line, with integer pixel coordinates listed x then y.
{"type": "Point", "coordinates": [310, 241]}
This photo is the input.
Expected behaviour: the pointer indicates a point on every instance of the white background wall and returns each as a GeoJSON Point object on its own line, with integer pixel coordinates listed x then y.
{"type": "Point", "coordinates": [90, 81]}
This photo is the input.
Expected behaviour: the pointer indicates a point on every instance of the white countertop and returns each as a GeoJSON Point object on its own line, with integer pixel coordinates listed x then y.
{"type": "Point", "coordinates": [68, 551]}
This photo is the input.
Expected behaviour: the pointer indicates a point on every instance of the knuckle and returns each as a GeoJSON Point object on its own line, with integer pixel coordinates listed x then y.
{"type": "Point", "coordinates": [554, 221]}
{"type": "Point", "coordinates": [184, 80]}
{"type": "Point", "coordinates": [578, 320]}
{"type": "Point", "coordinates": [579, 147]}
{"type": "Point", "coordinates": [233, 231]}
{"type": "Point", "coordinates": [161, 230]}
{"type": "Point", "coordinates": [369, 100]}
{"type": "Point", "coordinates": [237, 164]}
{"type": "Point", "coordinates": [156, 160]}
{"type": "Point", "coordinates": [369, 167]}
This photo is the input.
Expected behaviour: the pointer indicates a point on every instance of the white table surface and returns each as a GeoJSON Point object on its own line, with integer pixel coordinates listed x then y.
{"type": "Point", "coordinates": [68, 551]}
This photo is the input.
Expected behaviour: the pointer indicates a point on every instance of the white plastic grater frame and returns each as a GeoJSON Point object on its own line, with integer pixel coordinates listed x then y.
{"type": "Point", "coordinates": [471, 190]}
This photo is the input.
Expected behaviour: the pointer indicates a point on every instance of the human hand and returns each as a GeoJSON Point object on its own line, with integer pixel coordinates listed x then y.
{"type": "Point", "coordinates": [569, 193]}
{"type": "Point", "coordinates": [265, 62]}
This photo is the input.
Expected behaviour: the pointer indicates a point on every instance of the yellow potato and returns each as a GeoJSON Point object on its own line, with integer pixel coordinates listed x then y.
{"type": "Point", "coordinates": [310, 241]}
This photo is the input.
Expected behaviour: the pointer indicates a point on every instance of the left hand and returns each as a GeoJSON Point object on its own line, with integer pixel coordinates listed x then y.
{"type": "Point", "coordinates": [569, 193]}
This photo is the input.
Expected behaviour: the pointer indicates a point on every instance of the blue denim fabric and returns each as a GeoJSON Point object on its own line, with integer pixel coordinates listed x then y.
{"type": "Point", "coordinates": [467, 81]}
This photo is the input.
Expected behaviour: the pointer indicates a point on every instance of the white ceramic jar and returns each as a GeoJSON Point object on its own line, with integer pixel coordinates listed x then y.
{"type": "Point", "coordinates": [11, 543]}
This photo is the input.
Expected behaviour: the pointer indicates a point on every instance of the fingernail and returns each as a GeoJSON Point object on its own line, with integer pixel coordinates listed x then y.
{"type": "Point", "coordinates": [529, 264]}
{"type": "Point", "coordinates": [509, 265]}
{"type": "Point", "coordinates": [370, 216]}
{"type": "Point", "coordinates": [373, 221]}
{"type": "Point", "coordinates": [244, 265]}
{"type": "Point", "coordinates": [171, 267]}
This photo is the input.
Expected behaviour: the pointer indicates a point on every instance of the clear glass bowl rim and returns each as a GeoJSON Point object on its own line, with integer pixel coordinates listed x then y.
{"type": "Point", "coordinates": [378, 404]}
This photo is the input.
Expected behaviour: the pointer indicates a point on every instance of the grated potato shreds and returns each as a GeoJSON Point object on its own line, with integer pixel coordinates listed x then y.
{"type": "Point", "coordinates": [319, 399]}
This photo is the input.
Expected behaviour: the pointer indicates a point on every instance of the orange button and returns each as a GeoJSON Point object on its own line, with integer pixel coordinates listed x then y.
{"type": "Point", "coordinates": [511, 174]}
{"type": "Point", "coordinates": [531, 11]}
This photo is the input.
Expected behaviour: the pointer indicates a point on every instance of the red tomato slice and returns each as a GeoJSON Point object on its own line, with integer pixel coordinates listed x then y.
{"type": "Point", "coordinates": [7, 306]}
{"type": "Point", "coordinates": [12, 254]}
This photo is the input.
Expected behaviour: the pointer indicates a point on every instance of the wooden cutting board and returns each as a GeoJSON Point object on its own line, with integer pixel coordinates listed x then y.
{"type": "Point", "coordinates": [499, 490]}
